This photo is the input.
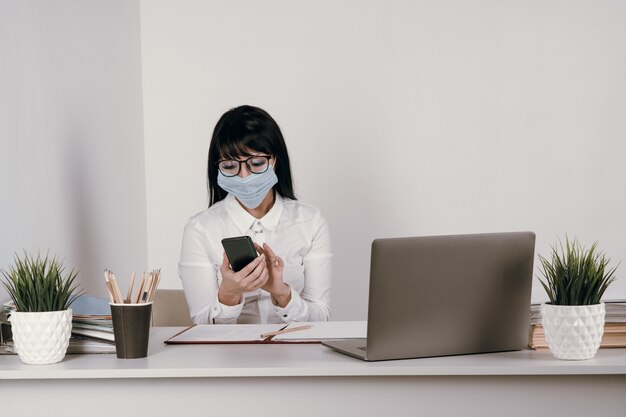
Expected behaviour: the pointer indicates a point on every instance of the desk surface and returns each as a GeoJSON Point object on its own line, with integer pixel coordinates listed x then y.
{"type": "Point", "coordinates": [298, 360]}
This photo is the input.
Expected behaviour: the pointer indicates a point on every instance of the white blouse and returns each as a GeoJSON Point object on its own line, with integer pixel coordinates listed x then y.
{"type": "Point", "coordinates": [296, 232]}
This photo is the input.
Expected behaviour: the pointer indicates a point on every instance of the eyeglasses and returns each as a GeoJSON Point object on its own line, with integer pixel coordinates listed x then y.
{"type": "Point", "coordinates": [256, 164]}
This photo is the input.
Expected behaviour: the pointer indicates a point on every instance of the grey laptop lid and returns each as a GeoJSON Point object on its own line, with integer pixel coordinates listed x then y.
{"type": "Point", "coordinates": [449, 295]}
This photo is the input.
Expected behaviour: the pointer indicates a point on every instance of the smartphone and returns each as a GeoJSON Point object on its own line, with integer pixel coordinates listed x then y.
{"type": "Point", "coordinates": [240, 251]}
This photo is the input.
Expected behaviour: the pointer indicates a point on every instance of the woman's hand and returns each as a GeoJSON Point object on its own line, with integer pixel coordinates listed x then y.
{"type": "Point", "coordinates": [252, 277]}
{"type": "Point", "coordinates": [281, 292]}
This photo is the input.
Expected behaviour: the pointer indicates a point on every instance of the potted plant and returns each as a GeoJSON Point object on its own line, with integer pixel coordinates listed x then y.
{"type": "Point", "coordinates": [575, 279]}
{"type": "Point", "coordinates": [42, 321]}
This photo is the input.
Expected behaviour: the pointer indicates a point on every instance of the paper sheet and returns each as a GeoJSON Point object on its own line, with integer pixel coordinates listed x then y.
{"type": "Point", "coordinates": [225, 333]}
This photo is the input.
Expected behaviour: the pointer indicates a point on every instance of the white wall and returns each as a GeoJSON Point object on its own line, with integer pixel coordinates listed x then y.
{"type": "Point", "coordinates": [402, 117]}
{"type": "Point", "coordinates": [71, 135]}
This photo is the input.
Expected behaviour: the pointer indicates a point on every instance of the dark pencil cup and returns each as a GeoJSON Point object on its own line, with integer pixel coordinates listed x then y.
{"type": "Point", "coordinates": [131, 327]}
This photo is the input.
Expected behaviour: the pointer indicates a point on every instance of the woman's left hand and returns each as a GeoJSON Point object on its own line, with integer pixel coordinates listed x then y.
{"type": "Point", "coordinates": [281, 292]}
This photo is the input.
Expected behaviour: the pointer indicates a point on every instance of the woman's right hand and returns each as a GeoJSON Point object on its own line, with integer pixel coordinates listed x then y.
{"type": "Point", "coordinates": [252, 277]}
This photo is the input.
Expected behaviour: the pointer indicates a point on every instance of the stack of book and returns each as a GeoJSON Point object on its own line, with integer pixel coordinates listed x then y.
{"type": "Point", "coordinates": [614, 326]}
{"type": "Point", "coordinates": [5, 324]}
{"type": "Point", "coordinates": [91, 319]}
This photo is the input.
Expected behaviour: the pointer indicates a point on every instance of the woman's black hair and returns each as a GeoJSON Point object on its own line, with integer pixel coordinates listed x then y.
{"type": "Point", "coordinates": [239, 131]}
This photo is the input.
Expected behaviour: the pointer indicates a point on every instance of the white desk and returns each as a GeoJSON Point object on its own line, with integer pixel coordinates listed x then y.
{"type": "Point", "coordinates": [253, 380]}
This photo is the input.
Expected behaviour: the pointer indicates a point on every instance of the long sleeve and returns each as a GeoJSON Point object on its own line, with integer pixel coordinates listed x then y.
{"type": "Point", "coordinates": [313, 303]}
{"type": "Point", "coordinates": [199, 274]}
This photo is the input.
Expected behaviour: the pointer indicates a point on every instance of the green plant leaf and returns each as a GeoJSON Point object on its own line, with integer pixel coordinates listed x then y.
{"type": "Point", "coordinates": [35, 284]}
{"type": "Point", "coordinates": [574, 275]}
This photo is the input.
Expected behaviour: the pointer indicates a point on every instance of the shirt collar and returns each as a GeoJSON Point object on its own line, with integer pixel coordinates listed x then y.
{"type": "Point", "coordinates": [244, 220]}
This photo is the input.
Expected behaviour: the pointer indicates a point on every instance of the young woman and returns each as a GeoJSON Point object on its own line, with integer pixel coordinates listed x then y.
{"type": "Point", "coordinates": [251, 193]}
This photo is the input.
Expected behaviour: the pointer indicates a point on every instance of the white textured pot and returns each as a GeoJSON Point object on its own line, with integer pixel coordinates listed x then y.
{"type": "Point", "coordinates": [41, 338]}
{"type": "Point", "coordinates": [573, 332]}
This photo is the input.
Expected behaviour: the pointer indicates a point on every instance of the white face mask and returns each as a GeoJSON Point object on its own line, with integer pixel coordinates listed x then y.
{"type": "Point", "coordinates": [250, 190]}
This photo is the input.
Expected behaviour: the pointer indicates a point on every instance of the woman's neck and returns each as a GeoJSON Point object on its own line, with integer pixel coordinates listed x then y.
{"type": "Point", "coordinates": [263, 208]}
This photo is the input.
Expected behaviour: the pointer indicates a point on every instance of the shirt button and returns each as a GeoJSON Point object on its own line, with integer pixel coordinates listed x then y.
{"type": "Point", "coordinates": [284, 315]}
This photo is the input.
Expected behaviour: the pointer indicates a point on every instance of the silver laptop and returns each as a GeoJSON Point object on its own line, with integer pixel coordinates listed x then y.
{"type": "Point", "coordinates": [446, 295]}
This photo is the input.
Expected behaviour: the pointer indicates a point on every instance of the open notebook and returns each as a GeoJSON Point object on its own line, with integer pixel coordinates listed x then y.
{"type": "Point", "coordinates": [312, 332]}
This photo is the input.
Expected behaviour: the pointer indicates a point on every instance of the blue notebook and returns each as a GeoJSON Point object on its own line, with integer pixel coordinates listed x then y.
{"type": "Point", "coordinates": [87, 305]}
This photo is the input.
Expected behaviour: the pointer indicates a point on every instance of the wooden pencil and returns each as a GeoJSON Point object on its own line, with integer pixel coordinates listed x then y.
{"type": "Point", "coordinates": [155, 284]}
{"type": "Point", "coordinates": [130, 288]}
{"type": "Point", "coordinates": [140, 289]}
{"type": "Point", "coordinates": [146, 291]}
{"type": "Point", "coordinates": [293, 329]}
{"type": "Point", "coordinates": [116, 288]}
{"type": "Point", "coordinates": [110, 290]}
{"type": "Point", "coordinates": [107, 282]}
